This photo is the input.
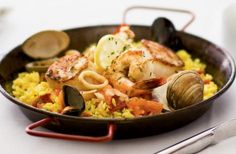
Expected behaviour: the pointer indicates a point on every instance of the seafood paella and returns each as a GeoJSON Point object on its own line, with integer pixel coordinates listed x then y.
{"type": "Point", "coordinates": [116, 77]}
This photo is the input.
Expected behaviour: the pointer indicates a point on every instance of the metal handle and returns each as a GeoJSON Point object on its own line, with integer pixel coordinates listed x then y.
{"type": "Point", "coordinates": [191, 145]}
{"type": "Point", "coordinates": [161, 9]}
{"type": "Point", "coordinates": [30, 131]}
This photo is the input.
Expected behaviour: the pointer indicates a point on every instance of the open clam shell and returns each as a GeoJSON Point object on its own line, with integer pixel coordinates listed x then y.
{"type": "Point", "coordinates": [184, 89]}
{"type": "Point", "coordinates": [46, 44]}
{"type": "Point", "coordinates": [40, 65]}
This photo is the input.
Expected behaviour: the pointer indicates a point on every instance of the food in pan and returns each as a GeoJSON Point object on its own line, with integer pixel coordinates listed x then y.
{"type": "Point", "coordinates": [115, 78]}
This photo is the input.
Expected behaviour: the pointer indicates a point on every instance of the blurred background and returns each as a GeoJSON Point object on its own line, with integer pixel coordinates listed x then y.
{"type": "Point", "coordinates": [215, 21]}
{"type": "Point", "coordinates": [25, 17]}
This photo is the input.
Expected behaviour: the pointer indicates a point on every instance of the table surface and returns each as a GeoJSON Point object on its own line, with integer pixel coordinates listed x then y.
{"type": "Point", "coordinates": [26, 17]}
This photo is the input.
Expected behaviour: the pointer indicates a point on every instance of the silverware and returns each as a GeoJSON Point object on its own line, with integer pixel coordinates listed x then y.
{"type": "Point", "coordinates": [202, 140]}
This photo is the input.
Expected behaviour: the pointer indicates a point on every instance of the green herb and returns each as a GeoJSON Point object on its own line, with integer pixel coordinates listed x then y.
{"type": "Point", "coordinates": [110, 38]}
{"type": "Point", "coordinates": [124, 48]}
{"type": "Point", "coordinates": [113, 52]}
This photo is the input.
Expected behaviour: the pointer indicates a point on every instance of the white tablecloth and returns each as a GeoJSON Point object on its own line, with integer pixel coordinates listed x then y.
{"type": "Point", "coordinates": [26, 17]}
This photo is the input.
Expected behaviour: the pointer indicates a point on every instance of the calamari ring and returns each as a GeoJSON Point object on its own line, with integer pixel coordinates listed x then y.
{"type": "Point", "coordinates": [94, 75]}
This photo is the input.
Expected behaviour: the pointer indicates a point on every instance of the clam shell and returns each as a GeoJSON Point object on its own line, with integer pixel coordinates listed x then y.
{"type": "Point", "coordinates": [184, 89]}
{"type": "Point", "coordinates": [46, 44]}
{"type": "Point", "coordinates": [40, 65]}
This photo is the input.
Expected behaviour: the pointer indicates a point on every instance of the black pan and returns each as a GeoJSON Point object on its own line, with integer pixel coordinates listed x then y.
{"type": "Point", "coordinates": [219, 63]}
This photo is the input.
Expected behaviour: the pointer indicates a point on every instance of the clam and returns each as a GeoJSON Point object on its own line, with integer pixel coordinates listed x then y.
{"type": "Point", "coordinates": [73, 101]}
{"type": "Point", "coordinates": [46, 44]}
{"type": "Point", "coordinates": [164, 32]}
{"type": "Point", "coordinates": [182, 89]}
{"type": "Point", "coordinates": [40, 65]}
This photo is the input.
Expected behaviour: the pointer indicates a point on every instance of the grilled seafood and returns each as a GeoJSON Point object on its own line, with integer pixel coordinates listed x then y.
{"type": "Point", "coordinates": [116, 77]}
{"type": "Point", "coordinates": [67, 67]}
{"type": "Point", "coordinates": [141, 107]}
{"type": "Point", "coordinates": [120, 73]}
{"type": "Point", "coordinates": [143, 66]}
{"type": "Point", "coordinates": [64, 70]}
{"type": "Point", "coordinates": [74, 70]}
{"type": "Point", "coordinates": [125, 33]}
{"type": "Point", "coordinates": [163, 64]}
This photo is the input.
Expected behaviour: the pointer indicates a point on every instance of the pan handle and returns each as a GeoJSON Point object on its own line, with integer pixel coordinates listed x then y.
{"type": "Point", "coordinates": [161, 9]}
{"type": "Point", "coordinates": [30, 130]}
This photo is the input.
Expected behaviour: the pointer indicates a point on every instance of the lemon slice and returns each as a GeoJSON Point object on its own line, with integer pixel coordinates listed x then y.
{"type": "Point", "coordinates": [108, 48]}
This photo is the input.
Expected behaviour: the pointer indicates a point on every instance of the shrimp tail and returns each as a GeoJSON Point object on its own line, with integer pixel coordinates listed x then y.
{"type": "Point", "coordinates": [149, 84]}
{"type": "Point", "coordinates": [133, 92]}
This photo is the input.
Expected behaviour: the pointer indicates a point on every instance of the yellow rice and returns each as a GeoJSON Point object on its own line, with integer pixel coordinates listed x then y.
{"type": "Point", "coordinates": [27, 87]}
{"type": "Point", "coordinates": [210, 88]}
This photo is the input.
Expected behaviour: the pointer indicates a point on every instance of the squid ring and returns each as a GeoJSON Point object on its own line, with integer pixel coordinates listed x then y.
{"type": "Point", "coordinates": [94, 75]}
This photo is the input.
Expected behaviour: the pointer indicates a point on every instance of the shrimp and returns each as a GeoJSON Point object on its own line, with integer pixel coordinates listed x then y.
{"type": "Point", "coordinates": [125, 33]}
{"type": "Point", "coordinates": [115, 99]}
{"type": "Point", "coordinates": [121, 77]}
{"type": "Point", "coordinates": [118, 72]}
{"type": "Point", "coordinates": [140, 107]}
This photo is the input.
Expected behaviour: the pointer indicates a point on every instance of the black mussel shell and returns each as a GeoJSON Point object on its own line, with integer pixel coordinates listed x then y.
{"type": "Point", "coordinates": [73, 100]}
{"type": "Point", "coordinates": [163, 31]}
{"type": "Point", "coordinates": [71, 111]}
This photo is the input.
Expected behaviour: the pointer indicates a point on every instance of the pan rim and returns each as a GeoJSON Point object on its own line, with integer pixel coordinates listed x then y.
{"type": "Point", "coordinates": [225, 87]}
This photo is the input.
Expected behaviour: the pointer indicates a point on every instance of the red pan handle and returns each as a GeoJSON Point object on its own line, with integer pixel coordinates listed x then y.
{"type": "Point", "coordinates": [30, 130]}
{"type": "Point", "coordinates": [160, 9]}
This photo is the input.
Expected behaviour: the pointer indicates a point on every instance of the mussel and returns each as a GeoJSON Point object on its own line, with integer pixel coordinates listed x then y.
{"type": "Point", "coordinates": [163, 31]}
{"type": "Point", "coordinates": [46, 44]}
{"type": "Point", "coordinates": [181, 90]}
{"type": "Point", "coordinates": [73, 101]}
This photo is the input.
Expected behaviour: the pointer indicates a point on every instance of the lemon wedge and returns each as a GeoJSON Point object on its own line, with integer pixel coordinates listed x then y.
{"type": "Point", "coordinates": [108, 48]}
